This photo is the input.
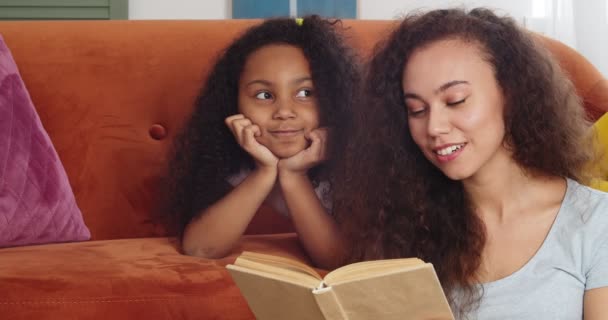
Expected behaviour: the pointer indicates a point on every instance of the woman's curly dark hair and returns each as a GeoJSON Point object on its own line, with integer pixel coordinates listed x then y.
{"type": "Point", "coordinates": [393, 202]}
{"type": "Point", "coordinates": [205, 154]}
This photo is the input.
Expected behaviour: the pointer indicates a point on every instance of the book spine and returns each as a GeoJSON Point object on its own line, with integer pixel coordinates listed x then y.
{"type": "Point", "coordinates": [329, 304]}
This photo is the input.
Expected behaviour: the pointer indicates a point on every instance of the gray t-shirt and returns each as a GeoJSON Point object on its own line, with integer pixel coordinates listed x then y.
{"type": "Point", "coordinates": [572, 259]}
{"type": "Point", "coordinates": [276, 200]}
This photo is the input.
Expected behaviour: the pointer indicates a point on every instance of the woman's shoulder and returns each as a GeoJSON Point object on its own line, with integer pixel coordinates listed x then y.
{"type": "Point", "coordinates": [589, 202]}
{"type": "Point", "coordinates": [585, 210]}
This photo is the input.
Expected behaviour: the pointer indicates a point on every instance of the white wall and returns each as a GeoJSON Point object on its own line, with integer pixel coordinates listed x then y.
{"type": "Point", "coordinates": [587, 31]}
{"type": "Point", "coordinates": [390, 9]}
{"type": "Point", "coordinates": [179, 9]}
{"type": "Point", "coordinates": [592, 33]}
{"type": "Point", "coordinates": [590, 17]}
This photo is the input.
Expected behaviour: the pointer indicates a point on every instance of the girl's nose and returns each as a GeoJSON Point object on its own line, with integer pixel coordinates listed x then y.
{"type": "Point", "coordinates": [284, 110]}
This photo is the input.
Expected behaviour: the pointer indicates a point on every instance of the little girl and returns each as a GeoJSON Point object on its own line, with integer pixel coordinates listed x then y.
{"type": "Point", "coordinates": [260, 133]}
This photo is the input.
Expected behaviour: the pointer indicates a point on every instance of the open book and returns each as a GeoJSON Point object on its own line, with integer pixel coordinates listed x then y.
{"type": "Point", "coordinates": [281, 288]}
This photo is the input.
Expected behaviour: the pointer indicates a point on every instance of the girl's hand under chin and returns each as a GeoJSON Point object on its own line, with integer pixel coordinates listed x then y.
{"type": "Point", "coordinates": [245, 133]}
{"type": "Point", "coordinates": [309, 157]}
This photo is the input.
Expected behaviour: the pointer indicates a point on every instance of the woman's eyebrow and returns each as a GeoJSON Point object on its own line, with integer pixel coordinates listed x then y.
{"type": "Point", "coordinates": [442, 88]}
{"type": "Point", "coordinates": [450, 84]}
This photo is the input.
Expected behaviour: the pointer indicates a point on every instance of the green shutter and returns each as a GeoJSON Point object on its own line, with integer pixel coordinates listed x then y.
{"type": "Point", "coordinates": [63, 9]}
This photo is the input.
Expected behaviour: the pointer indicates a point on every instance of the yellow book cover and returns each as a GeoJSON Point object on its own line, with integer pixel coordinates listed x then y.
{"type": "Point", "coordinates": [281, 288]}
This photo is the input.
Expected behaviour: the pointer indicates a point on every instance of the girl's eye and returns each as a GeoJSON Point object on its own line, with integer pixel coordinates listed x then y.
{"type": "Point", "coordinates": [456, 102]}
{"type": "Point", "coordinates": [263, 96]}
{"type": "Point", "coordinates": [304, 93]}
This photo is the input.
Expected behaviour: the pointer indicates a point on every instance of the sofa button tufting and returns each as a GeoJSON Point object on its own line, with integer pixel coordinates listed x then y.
{"type": "Point", "coordinates": [158, 132]}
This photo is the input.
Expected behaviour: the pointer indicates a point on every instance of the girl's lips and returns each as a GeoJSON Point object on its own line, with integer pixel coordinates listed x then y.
{"type": "Point", "coordinates": [285, 133]}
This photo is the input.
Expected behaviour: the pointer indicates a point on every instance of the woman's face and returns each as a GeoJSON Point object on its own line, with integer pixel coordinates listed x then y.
{"type": "Point", "coordinates": [455, 108]}
{"type": "Point", "coordinates": [276, 93]}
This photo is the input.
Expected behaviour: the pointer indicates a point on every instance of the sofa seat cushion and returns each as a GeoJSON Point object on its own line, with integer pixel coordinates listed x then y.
{"type": "Point", "coordinates": [143, 278]}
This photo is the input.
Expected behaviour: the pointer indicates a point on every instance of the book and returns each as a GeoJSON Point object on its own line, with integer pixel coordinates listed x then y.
{"type": "Point", "coordinates": [281, 288]}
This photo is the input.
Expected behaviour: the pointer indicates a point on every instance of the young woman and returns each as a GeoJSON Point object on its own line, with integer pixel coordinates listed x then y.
{"type": "Point", "coordinates": [471, 157]}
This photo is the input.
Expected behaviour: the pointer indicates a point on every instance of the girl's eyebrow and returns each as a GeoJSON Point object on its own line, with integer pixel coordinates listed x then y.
{"type": "Point", "coordinates": [268, 83]}
{"type": "Point", "coordinates": [258, 81]}
{"type": "Point", "coordinates": [301, 79]}
{"type": "Point", "coordinates": [442, 88]}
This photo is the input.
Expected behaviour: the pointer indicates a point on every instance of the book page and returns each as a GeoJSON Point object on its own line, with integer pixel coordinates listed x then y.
{"type": "Point", "coordinates": [271, 298]}
{"type": "Point", "coordinates": [365, 269]}
{"type": "Point", "coordinates": [279, 271]}
{"type": "Point", "coordinates": [412, 294]}
{"type": "Point", "coordinates": [281, 262]}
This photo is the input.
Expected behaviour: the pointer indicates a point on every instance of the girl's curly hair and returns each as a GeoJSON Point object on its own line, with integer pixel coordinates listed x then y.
{"type": "Point", "coordinates": [393, 202]}
{"type": "Point", "coordinates": [205, 154]}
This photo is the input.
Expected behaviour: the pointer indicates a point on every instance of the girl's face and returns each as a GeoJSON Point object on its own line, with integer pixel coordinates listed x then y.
{"type": "Point", "coordinates": [277, 94]}
{"type": "Point", "coordinates": [455, 108]}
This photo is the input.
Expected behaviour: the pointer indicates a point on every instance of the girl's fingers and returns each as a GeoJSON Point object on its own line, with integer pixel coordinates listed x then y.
{"type": "Point", "coordinates": [318, 145]}
{"type": "Point", "coordinates": [245, 133]}
{"type": "Point", "coordinates": [323, 149]}
{"type": "Point", "coordinates": [249, 134]}
{"type": "Point", "coordinates": [324, 136]}
{"type": "Point", "coordinates": [230, 123]}
{"type": "Point", "coordinates": [256, 130]}
{"type": "Point", "coordinates": [237, 128]}
{"type": "Point", "coordinates": [320, 133]}
{"type": "Point", "coordinates": [229, 120]}
{"type": "Point", "coordinates": [315, 147]}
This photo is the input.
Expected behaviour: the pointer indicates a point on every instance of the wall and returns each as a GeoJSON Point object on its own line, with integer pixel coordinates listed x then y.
{"type": "Point", "coordinates": [368, 9]}
{"type": "Point", "coordinates": [179, 9]}
{"type": "Point", "coordinates": [592, 34]}
{"type": "Point", "coordinates": [590, 17]}
{"type": "Point", "coordinates": [388, 9]}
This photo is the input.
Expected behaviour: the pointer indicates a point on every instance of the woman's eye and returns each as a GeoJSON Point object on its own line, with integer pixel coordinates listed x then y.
{"type": "Point", "coordinates": [453, 103]}
{"type": "Point", "coordinates": [415, 108]}
{"type": "Point", "coordinates": [304, 93]}
{"type": "Point", "coordinates": [263, 96]}
{"type": "Point", "coordinates": [415, 113]}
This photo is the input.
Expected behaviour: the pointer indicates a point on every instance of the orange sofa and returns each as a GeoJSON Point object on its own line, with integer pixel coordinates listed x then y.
{"type": "Point", "coordinates": [112, 95]}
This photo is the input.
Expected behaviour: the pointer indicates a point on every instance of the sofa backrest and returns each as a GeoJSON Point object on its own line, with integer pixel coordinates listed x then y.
{"type": "Point", "coordinates": [113, 94]}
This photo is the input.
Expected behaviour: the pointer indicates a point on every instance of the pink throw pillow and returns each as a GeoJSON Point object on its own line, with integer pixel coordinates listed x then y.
{"type": "Point", "coordinates": [37, 204]}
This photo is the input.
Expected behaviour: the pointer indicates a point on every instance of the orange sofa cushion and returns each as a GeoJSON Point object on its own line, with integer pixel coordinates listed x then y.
{"type": "Point", "coordinates": [126, 279]}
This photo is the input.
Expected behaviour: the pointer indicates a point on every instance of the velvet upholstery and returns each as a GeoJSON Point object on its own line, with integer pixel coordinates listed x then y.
{"type": "Point", "coordinates": [112, 95]}
{"type": "Point", "coordinates": [589, 82]}
{"type": "Point", "coordinates": [126, 279]}
{"type": "Point", "coordinates": [37, 205]}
